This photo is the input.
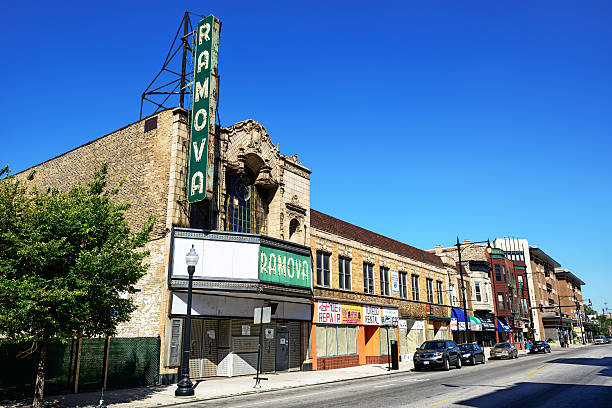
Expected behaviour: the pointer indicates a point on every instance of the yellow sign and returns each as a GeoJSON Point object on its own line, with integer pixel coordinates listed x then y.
{"type": "Point", "coordinates": [351, 314]}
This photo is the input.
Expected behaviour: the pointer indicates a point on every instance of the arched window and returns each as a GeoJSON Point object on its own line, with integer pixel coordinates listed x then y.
{"type": "Point", "coordinates": [293, 227]}
{"type": "Point", "coordinates": [246, 206]}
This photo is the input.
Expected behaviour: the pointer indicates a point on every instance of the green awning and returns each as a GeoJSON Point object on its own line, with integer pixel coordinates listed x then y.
{"type": "Point", "coordinates": [439, 318]}
{"type": "Point", "coordinates": [475, 320]}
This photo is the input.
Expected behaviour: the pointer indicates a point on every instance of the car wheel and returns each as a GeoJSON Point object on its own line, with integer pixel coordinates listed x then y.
{"type": "Point", "coordinates": [446, 364]}
{"type": "Point", "coordinates": [472, 360]}
{"type": "Point", "coordinates": [484, 359]}
{"type": "Point", "coordinates": [458, 365]}
{"type": "Point", "coordinates": [548, 350]}
{"type": "Point", "coordinates": [516, 354]}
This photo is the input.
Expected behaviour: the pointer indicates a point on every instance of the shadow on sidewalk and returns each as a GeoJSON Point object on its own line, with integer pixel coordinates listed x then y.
{"type": "Point", "coordinates": [89, 398]}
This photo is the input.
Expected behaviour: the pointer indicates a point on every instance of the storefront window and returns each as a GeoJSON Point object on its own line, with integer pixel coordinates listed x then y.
{"type": "Point", "coordinates": [332, 341]}
{"type": "Point", "coordinates": [384, 340]}
{"type": "Point", "coordinates": [342, 341]}
{"type": "Point", "coordinates": [336, 340]}
{"type": "Point", "coordinates": [321, 341]}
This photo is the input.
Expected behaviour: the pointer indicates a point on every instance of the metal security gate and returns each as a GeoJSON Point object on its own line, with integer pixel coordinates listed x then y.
{"type": "Point", "coordinates": [204, 357]}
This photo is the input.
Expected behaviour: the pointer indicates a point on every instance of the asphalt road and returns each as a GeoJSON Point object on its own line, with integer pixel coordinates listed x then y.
{"type": "Point", "coordinates": [565, 378]}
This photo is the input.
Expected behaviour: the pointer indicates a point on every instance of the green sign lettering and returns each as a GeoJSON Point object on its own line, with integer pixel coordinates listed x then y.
{"type": "Point", "coordinates": [202, 152]}
{"type": "Point", "coordinates": [276, 265]}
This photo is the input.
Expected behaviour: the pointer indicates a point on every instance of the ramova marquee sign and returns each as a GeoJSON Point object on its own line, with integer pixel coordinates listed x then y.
{"type": "Point", "coordinates": [202, 152]}
{"type": "Point", "coordinates": [240, 257]}
{"type": "Point", "coordinates": [277, 265]}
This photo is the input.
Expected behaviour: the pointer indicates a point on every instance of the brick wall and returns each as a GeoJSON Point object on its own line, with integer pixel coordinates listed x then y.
{"type": "Point", "coordinates": [330, 363]}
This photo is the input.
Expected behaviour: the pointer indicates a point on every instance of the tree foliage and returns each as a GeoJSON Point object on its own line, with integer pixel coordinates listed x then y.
{"type": "Point", "coordinates": [67, 258]}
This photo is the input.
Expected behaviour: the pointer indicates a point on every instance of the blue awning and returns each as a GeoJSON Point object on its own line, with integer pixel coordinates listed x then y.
{"type": "Point", "coordinates": [502, 326]}
{"type": "Point", "coordinates": [458, 318]}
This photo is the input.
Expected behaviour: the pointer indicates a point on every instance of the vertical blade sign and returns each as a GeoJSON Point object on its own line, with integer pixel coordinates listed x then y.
{"type": "Point", "coordinates": [202, 146]}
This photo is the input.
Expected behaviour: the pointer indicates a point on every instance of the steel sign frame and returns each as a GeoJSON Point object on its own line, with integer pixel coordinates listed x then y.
{"type": "Point", "coordinates": [202, 143]}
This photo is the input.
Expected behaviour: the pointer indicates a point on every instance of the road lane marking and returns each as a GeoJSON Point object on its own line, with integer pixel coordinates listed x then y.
{"type": "Point", "coordinates": [529, 374]}
{"type": "Point", "coordinates": [439, 402]}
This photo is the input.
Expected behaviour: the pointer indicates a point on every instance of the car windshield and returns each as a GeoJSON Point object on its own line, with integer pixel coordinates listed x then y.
{"type": "Point", "coordinates": [466, 347]}
{"type": "Point", "coordinates": [539, 343]}
{"type": "Point", "coordinates": [502, 345]}
{"type": "Point", "coordinates": [433, 345]}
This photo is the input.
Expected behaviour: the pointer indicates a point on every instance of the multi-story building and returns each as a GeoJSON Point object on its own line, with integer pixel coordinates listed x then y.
{"type": "Point", "coordinates": [479, 300]}
{"type": "Point", "coordinates": [552, 324]}
{"type": "Point", "coordinates": [570, 293]}
{"type": "Point", "coordinates": [252, 237]}
{"type": "Point", "coordinates": [364, 283]}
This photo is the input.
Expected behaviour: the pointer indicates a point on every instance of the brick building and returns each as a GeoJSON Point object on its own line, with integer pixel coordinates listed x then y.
{"type": "Point", "coordinates": [570, 291]}
{"type": "Point", "coordinates": [359, 271]}
{"type": "Point", "coordinates": [258, 247]}
{"type": "Point", "coordinates": [479, 297]}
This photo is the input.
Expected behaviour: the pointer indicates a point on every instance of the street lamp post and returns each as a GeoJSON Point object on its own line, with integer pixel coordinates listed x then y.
{"type": "Point", "coordinates": [185, 386]}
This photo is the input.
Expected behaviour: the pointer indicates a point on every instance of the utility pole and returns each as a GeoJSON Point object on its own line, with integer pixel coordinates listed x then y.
{"type": "Point", "coordinates": [465, 315]}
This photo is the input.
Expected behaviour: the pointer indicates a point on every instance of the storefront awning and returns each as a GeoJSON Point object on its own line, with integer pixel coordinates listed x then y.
{"type": "Point", "coordinates": [458, 319]}
{"type": "Point", "coordinates": [487, 323]}
{"type": "Point", "coordinates": [439, 318]}
{"type": "Point", "coordinates": [502, 326]}
{"type": "Point", "coordinates": [475, 323]}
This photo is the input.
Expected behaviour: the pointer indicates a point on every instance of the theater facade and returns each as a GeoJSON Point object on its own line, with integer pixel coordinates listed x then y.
{"type": "Point", "coordinates": [338, 293]}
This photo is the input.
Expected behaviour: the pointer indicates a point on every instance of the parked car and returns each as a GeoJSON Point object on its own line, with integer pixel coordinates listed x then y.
{"type": "Point", "coordinates": [437, 353]}
{"type": "Point", "coordinates": [540, 347]}
{"type": "Point", "coordinates": [609, 339]}
{"type": "Point", "coordinates": [600, 339]}
{"type": "Point", "coordinates": [503, 350]}
{"type": "Point", "coordinates": [472, 353]}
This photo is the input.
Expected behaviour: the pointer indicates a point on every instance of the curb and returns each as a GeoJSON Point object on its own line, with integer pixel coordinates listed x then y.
{"type": "Point", "coordinates": [194, 400]}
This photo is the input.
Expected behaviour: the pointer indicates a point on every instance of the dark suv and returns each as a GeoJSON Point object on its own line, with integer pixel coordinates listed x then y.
{"type": "Point", "coordinates": [437, 353]}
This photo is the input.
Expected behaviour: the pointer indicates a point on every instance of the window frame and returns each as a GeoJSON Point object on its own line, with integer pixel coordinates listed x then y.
{"type": "Point", "coordinates": [429, 287]}
{"type": "Point", "coordinates": [403, 284]}
{"type": "Point", "coordinates": [440, 292]}
{"type": "Point", "coordinates": [384, 281]}
{"type": "Point", "coordinates": [415, 288]}
{"type": "Point", "coordinates": [368, 278]}
{"type": "Point", "coordinates": [343, 275]}
{"type": "Point", "coordinates": [477, 292]}
{"type": "Point", "coordinates": [324, 272]}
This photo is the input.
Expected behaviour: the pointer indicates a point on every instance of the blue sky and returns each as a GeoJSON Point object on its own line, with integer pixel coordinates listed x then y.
{"type": "Point", "coordinates": [421, 120]}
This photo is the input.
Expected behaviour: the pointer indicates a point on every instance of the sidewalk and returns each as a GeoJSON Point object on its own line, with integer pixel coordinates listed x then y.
{"type": "Point", "coordinates": [217, 387]}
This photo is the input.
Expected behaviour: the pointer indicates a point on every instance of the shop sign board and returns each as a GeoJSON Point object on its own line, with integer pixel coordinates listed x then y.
{"type": "Point", "coordinates": [418, 325]}
{"type": "Point", "coordinates": [403, 324]}
{"type": "Point", "coordinates": [395, 290]}
{"type": "Point", "coordinates": [328, 312]}
{"type": "Point", "coordinates": [371, 316]}
{"type": "Point", "coordinates": [390, 317]}
{"type": "Point", "coordinates": [201, 148]}
{"type": "Point", "coordinates": [284, 267]}
{"type": "Point", "coordinates": [351, 314]}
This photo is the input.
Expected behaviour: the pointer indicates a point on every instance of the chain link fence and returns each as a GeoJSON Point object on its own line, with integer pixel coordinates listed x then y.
{"type": "Point", "coordinates": [132, 362]}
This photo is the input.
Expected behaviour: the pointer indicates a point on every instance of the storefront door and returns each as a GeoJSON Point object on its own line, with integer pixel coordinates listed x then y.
{"type": "Point", "coordinates": [282, 349]}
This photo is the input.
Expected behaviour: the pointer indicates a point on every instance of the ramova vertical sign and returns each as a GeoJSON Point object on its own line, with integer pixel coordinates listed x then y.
{"type": "Point", "coordinates": [202, 151]}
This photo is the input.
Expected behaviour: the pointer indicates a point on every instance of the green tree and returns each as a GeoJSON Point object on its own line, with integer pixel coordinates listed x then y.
{"type": "Point", "coordinates": [66, 259]}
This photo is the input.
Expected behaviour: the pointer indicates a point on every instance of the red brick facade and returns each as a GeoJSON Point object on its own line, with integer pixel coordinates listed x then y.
{"type": "Point", "coordinates": [329, 363]}
{"type": "Point", "coordinates": [377, 359]}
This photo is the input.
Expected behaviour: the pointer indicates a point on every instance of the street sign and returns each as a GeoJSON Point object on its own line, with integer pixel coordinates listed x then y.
{"type": "Point", "coordinates": [258, 317]}
{"type": "Point", "coordinates": [201, 148]}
